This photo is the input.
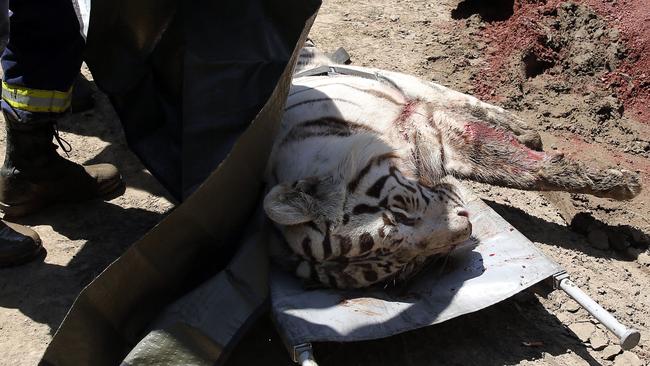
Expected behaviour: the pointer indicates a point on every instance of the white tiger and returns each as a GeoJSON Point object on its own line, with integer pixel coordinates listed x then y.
{"type": "Point", "coordinates": [357, 172]}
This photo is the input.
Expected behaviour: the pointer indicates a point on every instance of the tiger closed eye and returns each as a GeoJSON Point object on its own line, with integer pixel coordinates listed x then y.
{"type": "Point", "coordinates": [403, 219]}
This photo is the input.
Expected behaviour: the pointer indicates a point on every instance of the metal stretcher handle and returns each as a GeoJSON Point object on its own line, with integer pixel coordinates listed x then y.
{"type": "Point", "coordinates": [303, 354]}
{"type": "Point", "coordinates": [307, 359]}
{"type": "Point", "coordinates": [628, 337]}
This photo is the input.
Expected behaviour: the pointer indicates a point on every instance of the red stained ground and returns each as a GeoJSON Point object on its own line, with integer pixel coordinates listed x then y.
{"type": "Point", "coordinates": [521, 31]}
{"type": "Point", "coordinates": [511, 37]}
{"type": "Point", "coordinates": [632, 77]}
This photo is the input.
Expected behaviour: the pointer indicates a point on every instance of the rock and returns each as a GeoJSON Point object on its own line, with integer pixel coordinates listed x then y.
{"type": "Point", "coordinates": [610, 352]}
{"type": "Point", "coordinates": [598, 340]}
{"type": "Point", "coordinates": [571, 306]}
{"type": "Point", "coordinates": [627, 359]}
{"type": "Point", "coordinates": [564, 317]}
{"type": "Point", "coordinates": [569, 7]}
{"type": "Point", "coordinates": [582, 330]}
{"type": "Point", "coordinates": [598, 239]}
{"type": "Point", "coordinates": [568, 358]}
{"type": "Point", "coordinates": [393, 18]}
{"type": "Point", "coordinates": [644, 259]}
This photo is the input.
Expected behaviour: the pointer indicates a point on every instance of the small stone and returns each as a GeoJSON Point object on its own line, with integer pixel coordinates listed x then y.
{"type": "Point", "coordinates": [627, 359]}
{"type": "Point", "coordinates": [598, 239]}
{"type": "Point", "coordinates": [564, 317]}
{"type": "Point", "coordinates": [571, 306]}
{"type": "Point", "coordinates": [394, 18]}
{"type": "Point", "coordinates": [582, 330]}
{"type": "Point", "coordinates": [610, 352]}
{"type": "Point", "coordinates": [568, 358]}
{"type": "Point", "coordinates": [598, 340]}
{"type": "Point", "coordinates": [644, 259]}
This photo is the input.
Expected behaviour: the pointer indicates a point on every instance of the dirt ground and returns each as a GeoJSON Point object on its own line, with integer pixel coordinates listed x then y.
{"type": "Point", "coordinates": [579, 72]}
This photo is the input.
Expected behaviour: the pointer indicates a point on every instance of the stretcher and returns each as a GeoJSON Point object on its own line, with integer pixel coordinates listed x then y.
{"type": "Point", "coordinates": [496, 263]}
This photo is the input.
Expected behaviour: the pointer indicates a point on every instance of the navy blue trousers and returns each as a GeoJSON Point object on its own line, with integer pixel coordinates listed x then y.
{"type": "Point", "coordinates": [45, 45]}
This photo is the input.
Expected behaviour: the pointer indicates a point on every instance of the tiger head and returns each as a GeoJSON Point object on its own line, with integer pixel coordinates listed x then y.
{"type": "Point", "coordinates": [369, 221]}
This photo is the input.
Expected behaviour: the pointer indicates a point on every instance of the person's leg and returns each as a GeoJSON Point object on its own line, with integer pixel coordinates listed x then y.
{"type": "Point", "coordinates": [44, 50]}
{"type": "Point", "coordinates": [18, 244]}
{"type": "Point", "coordinates": [40, 65]}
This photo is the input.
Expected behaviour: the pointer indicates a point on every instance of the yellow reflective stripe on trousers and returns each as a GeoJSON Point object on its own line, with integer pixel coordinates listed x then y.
{"type": "Point", "coordinates": [36, 100]}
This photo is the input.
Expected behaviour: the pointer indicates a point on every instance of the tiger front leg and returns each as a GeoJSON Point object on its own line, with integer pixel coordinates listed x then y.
{"type": "Point", "coordinates": [481, 152]}
{"type": "Point", "coordinates": [558, 172]}
{"type": "Point", "coordinates": [494, 116]}
{"type": "Point", "coordinates": [500, 118]}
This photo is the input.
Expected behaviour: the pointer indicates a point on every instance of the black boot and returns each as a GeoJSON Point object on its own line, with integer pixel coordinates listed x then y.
{"type": "Point", "coordinates": [18, 244]}
{"type": "Point", "coordinates": [34, 175]}
{"type": "Point", "coordinates": [82, 96]}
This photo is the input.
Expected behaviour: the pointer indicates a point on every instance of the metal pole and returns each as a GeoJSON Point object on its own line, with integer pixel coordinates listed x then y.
{"type": "Point", "coordinates": [307, 359]}
{"type": "Point", "coordinates": [628, 337]}
{"type": "Point", "coordinates": [303, 354]}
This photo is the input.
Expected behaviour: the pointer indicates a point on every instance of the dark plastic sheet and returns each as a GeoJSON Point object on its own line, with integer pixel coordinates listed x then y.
{"type": "Point", "coordinates": [186, 78]}
{"type": "Point", "coordinates": [167, 66]}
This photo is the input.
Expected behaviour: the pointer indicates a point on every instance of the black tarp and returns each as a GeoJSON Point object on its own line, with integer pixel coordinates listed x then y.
{"type": "Point", "coordinates": [187, 77]}
{"type": "Point", "coordinates": [200, 88]}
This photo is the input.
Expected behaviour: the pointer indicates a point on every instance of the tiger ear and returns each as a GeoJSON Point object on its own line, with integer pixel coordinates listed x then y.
{"type": "Point", "coordinates": [304, 200]}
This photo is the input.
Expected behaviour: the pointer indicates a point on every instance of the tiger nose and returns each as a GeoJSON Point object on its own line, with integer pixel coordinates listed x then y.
{"type": "Point", "coordinates": [463, 213]}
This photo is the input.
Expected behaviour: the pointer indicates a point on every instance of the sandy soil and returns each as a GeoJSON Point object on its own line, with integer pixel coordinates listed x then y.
{"type": "Point", "coordinates": [578, 72]}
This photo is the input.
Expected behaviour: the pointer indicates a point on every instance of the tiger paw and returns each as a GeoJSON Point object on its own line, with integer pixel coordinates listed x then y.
{"type": "Point", "coordinates": [614, 183]}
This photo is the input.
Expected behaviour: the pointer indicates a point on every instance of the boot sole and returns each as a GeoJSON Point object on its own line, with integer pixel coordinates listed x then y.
{"type": "Point", "coordinates": [27, 208]}
{"type": "Point", "coordinates": [26, 258]}
{"type": "Point", "coordinates": [23, 209]}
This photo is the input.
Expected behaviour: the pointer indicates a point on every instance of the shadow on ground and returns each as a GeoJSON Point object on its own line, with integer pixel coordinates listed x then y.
{"type": "Point", "coordinates": [494, 336]}
{"type": "Point", "coordinates": [103, 230]}
{"type": "Point", "coordinates": [573, 236]}
{"type": "Point", "coordinates": [488, 10]}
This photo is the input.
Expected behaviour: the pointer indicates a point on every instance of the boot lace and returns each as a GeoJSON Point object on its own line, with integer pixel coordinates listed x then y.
{"type": "Point", "coordinates": [65, 145]}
